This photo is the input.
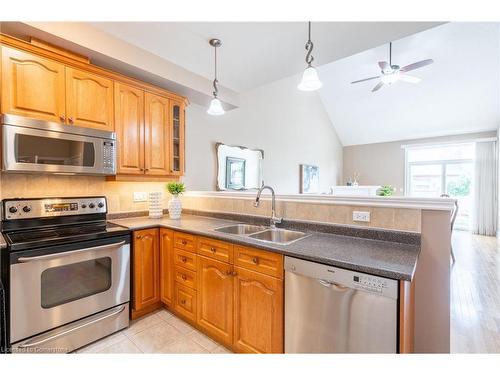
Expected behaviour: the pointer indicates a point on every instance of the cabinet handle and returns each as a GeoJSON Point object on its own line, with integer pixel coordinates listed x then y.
{"type": "Point", "coordinates": [184, 242]}
{"type": "Point", "coordinates": [183, 277]}
{"type": "Point", "coordinates": [70, 120]}
{"type": "Point", "coordinates": [183, 301]}
{"type": "Point", "coordinates": [184, 259]}
{"type": "Point", "coordinates": [141, 169]}
{"type": "Point", "coordinates": [255, 260]}
{"type": "Point", "coordinates": [138, 237]}
{"type": "Point", "coordinates": [234, 273]}
{"type": "Point", "coordinates": [213, 249]}
{"type": "Point", "coordinates": [62, 118]}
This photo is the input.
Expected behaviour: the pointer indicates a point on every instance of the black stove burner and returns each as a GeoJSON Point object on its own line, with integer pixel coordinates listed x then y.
{"type": "Point", "coordinates": [34, 238]}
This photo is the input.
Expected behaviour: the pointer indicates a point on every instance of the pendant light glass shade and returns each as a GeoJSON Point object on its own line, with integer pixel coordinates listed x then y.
{"type": "Point", "coordinates": [215, 108]}
{"type": "Point", "coordinates": [310, 80]}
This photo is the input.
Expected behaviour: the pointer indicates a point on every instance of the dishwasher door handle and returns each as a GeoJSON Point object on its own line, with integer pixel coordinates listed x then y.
{"type": "Point", "coordinates": [330, 284]}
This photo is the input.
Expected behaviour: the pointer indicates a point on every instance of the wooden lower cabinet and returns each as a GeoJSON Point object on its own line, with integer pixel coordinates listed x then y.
{"type": "Point", "coordinates": [167, 273]}
{"type": "Point", "coordinates": [258, 312]}
{"type": "Point", "coordinates": [239, 307]}
{"type": "Point", "coordinates": [215, 299]}
{"type": "Point", "coordinates": [146, 269]}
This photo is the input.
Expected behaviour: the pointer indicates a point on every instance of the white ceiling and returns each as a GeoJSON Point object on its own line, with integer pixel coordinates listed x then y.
{"type": "Point", "coordinates": [459, 92]}
{"type": "Point", "coordinates": [255, 53]}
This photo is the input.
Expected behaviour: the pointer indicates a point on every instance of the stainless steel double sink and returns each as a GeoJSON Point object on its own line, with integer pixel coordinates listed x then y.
{"type": "Point", "coordinates": [262, 233]}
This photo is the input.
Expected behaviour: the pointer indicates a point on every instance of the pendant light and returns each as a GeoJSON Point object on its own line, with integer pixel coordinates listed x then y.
{"type": "Point", "coordinates": [310, 80]}
{"type": "Point", "coordinates": [215, 108]}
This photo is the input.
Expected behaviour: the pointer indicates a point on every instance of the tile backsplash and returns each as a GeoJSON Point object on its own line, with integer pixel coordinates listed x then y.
{"type": "Point", "coordinates": [120, 199]}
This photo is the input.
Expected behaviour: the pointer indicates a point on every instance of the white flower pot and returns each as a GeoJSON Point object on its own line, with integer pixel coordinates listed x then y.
{"type": "Point", "coordinates": [174, 207]}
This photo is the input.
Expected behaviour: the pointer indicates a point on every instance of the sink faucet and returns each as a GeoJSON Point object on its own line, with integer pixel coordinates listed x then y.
{"type": "Point", "coordinates": [274, 219]}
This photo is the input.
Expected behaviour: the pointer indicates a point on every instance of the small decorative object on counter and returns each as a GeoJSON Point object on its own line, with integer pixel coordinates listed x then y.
{"type": "Point", "coordinates": [355, 181]}
{"type": "Point", "coordinates": [155, 204]}
{"type": "Point", "coordinates": [175, 204]}
{"type": "Point", "coordinates": [385, 191]}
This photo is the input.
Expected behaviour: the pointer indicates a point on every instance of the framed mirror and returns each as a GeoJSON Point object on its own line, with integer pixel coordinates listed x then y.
{"type": "Point", "coordinates": [238, 167]}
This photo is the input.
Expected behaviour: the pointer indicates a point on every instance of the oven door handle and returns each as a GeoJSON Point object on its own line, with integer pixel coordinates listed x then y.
{"type": "Point", "coordinates": [44, 339]}
{"type": "Point", "coordinates": [69, 253]}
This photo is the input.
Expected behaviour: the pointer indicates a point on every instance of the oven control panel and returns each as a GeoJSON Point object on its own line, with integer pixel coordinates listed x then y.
{"type": "Point", "coordinates": [49, 207]}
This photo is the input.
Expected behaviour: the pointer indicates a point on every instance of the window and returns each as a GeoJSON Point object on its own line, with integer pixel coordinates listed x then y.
{"type": "Point", "coordinates": [442, 169]}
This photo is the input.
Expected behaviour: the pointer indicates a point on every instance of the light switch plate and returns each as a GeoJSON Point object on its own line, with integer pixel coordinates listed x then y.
{"type": "Point", "coordinates": [140, 196]}
{"type": "Point", "coordinates": [361, 216]}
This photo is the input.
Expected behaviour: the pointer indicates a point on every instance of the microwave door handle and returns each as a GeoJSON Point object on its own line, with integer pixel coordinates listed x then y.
{"type": "Point", "coordinates": [69, 253]}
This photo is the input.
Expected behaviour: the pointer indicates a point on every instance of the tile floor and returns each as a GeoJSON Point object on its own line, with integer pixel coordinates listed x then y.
{"type": "Point", "coordinates": [159, 332]}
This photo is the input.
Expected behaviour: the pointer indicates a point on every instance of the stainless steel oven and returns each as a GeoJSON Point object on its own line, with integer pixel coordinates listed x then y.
{"type": "Point", "coordinates": [69, 273]}
{"type": "Point", "coordinates": [46, 147]}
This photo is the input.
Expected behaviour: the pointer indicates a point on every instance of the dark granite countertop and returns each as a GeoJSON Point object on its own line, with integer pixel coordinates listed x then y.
{"type": "Point", "coordinates": [382, 258]}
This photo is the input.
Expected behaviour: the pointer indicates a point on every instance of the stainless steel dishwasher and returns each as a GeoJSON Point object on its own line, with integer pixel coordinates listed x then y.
{"type": "Point", "coordinates": [332, 310]}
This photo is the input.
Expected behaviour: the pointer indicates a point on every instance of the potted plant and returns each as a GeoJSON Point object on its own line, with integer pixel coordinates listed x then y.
{"type": "Point", "coordinates": [385, 191]}
{"type": "Point", "coordinates": [174, 204]}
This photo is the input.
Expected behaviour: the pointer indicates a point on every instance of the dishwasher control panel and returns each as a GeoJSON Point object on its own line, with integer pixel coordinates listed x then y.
{"type": "Point", "coordinates": [330, 276]}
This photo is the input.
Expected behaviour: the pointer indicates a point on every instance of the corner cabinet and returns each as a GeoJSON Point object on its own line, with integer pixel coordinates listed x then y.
{"type": "Point", "coordinates": [44, 84]}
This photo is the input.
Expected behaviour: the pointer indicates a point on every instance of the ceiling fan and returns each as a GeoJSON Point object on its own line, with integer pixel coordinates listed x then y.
{"type": "Point", "coordinates": [393, 73]}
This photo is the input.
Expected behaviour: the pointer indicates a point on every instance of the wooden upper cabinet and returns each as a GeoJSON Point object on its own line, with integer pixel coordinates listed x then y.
{"type": "Point", "coordinates": [258, 312]}
{"type": "Point", "coordinates": [129, 127]}
{"type": "Point", "coordinates": [167, 266]}
{"type": "Point", "coordinates": [146, 268]}
{"type": "Point", "coordinates": [89, 100]}
{"type": "Point", "coordinates": [156, 134]}
{"type": "Point", "coordinates": [177, 146]}
{"type": "Point", "coordinates": [32, 86]}
{"type": "Point", "coordinates": [215, 299]}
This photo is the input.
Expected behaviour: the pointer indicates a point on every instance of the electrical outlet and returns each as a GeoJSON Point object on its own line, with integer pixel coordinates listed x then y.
{"type": "Point", "coordinates": [361, 216]}
{"type": "Point", "coordinates": [140, 196]}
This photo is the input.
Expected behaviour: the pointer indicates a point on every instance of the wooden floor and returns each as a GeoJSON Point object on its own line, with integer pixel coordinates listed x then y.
{"type": "Point", "coordinates": [475, 294]}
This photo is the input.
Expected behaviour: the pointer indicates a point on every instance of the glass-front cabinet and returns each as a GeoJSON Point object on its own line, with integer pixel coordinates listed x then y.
{"type": "Point", "coordinates": [177, 139]}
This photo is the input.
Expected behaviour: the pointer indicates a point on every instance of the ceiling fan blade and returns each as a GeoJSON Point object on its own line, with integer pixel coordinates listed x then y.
{"type": "Point", "coordinates": [409, 79]}
{"type": "Point", "coordinates": [383, 65]}
{"type": "Point", "coordinates": [416, 65]}
{"type": "Point", "coordinates": [378, 86]}
{"type": "Point", "coordinates": [365, 79]}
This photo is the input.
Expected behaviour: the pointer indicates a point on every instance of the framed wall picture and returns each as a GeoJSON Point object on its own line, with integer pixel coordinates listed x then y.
{"type": "Point", "coordinates": [309, 179]}
{"type": "Point", "coordinates": [235, 173]}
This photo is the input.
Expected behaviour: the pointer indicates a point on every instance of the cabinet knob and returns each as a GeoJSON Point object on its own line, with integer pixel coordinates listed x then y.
{"type": "Point", "coordinates": [62, 118]}
{"type": "Point", "coordinates": [255, 260]}
{"type": "Point", "coordinates": [138, 236]}
{"type": "Point", "coordinates": [70, 119]}
{"type": "Point", "coordinates": [183, 277]}
{"type": "Point", "coordinates": [234, 273]}
{"type": "Point", "coordinates": [184, 259]}
{"type": "Point", "coordinates": [213, 249]}
{"type": "Point", "coordinates": [183, 301]}
{"type": "Point", "coordinates": [184, 242]}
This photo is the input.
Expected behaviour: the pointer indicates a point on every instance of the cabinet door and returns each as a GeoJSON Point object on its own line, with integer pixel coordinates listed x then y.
{"type": "Point", "coordinates": [89, 100]}
{"type": "Point", "coordinates": [32, 86]}
{"type": "Point", "coordinates": [258, 312]}
{"type": "Point", "coordinates": [146, 268]}
{"type": "Point", "coordinates": [215, 299]}
{"type": "Point", "coordinates": [156, 133]}
{"type": "Point", "coordinates": [166, 266]}
{"type": "Point", "coordinates": [177, 146]}
{"type": "Point", "coordinates": [129, 127]}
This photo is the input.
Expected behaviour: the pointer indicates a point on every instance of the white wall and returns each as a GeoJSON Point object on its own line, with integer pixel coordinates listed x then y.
{"type": "Point", "coordinates": [291, 127]}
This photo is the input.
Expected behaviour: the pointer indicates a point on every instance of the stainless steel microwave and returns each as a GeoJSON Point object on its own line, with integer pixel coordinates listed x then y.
{"type": "Point", "coordinates": [47, 147]}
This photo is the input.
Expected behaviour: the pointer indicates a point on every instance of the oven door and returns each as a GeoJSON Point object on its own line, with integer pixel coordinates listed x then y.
{"type": "Point", "coordinates": [52, 287]}
{"type": "Point", "coordinates": [35, 150]}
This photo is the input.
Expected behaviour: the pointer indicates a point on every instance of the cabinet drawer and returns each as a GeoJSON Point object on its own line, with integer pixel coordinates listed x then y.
{"type": "Point", "coordinates": [214, 249]}
{"type": "Point", "coordinates": [185, 277]}
{"type": "Point", "coordinates": [185, 302]}
{"type": "Point", "coordinates": [185, 259]}
{"type": "Point", "coordinates": [185, 241]}
{"type": "Point", "coordinates": [259, 260]}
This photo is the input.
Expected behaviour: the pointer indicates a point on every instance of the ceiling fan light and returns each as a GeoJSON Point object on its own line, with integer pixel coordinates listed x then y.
{"type": "Point", "coordinates": [390, 78]}
{"type": "Point", "coordinates": [215, 108]}
{"type": "Point", "coordinates": [310, 80]}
